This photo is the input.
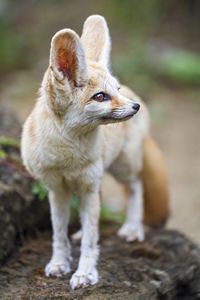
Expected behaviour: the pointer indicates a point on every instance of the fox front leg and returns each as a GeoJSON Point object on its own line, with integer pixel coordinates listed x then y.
{"type": "Point", "coordinates": [59, 264]}
{"type": "Point", "coordinates": [87, 273]}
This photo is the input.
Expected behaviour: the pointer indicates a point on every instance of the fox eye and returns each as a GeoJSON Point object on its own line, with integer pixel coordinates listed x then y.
{"type": "Point", "coordinates": [100, 97]}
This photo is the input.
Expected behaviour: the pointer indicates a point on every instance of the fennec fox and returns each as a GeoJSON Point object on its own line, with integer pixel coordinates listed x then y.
{"type": "Point", "coordinates": [83, 124]}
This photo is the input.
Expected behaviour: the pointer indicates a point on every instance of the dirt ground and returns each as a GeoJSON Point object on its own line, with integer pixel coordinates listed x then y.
{"type": "Point", "coordinates": [165, 266]}
{"type": "Point", "coordinates": [175, 125]}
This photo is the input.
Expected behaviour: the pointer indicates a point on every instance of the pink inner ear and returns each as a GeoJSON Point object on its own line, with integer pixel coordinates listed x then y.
{"type": "Point", "coordinates": [66, 63]}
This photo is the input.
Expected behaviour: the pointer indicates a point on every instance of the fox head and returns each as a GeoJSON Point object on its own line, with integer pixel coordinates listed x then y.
{"type": "Point", "coordinates": [80, 89]}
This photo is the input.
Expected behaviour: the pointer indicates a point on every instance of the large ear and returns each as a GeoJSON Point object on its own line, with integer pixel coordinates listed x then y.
{"type": "Point", "coordinates": [67, 57]}
{"type": "Point", "coordinates": [96, 39]}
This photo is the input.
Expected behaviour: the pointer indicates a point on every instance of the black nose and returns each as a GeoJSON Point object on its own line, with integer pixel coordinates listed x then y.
{"type": "Point", "coordinates": [136, 106]}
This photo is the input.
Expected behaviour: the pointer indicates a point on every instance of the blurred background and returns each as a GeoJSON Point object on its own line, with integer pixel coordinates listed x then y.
{"type": "Point", "coordinates": [155, 50]}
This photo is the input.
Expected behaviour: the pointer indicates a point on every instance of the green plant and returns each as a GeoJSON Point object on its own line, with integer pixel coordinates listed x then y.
{"type": "Point", "coordinates": [3, 154]}
{"type": "Point", "coordinates": [8, 141]}
{"type": "Point", "coordinates": [109, 215]}
{"type": "Point", "coordinates": [180, 66]}
{"type": "Point", "coordinates": [39, 190]}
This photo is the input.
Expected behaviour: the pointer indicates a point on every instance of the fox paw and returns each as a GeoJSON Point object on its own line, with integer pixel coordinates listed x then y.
{"type": "Point", "coordinates": [76, 236]}
{"type": "Point", "coordinates": [81, 280]}
{"type": "Point", "coordinates": [57, 269]}
{"type": "Point", "coordinates": [131, 232]}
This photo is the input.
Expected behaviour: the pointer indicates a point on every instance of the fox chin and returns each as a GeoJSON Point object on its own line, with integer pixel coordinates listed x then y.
{"type": "Point", "coordinates": [83, 124]}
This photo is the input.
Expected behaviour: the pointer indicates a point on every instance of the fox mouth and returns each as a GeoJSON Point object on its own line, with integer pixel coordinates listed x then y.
{"type": "Point", "coordinates": [117, 118]}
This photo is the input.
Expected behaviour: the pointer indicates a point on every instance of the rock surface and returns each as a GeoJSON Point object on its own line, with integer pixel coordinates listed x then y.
{"type": "Point", "coordinates": [20, 209]}
{"type": "Point", "coordinates": [165, 266]}
{"type": "Point", "coordinates": [9, 123]}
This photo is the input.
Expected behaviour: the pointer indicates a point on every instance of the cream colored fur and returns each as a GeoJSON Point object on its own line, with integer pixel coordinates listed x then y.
{"type": "Point", "coordinates": [70, 139]}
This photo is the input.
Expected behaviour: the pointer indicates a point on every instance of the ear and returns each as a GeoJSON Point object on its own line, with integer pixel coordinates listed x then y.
{"type": "Point", "coordinates": [96, 39]}
{"type": "Point", "coordinates": [67, 57]}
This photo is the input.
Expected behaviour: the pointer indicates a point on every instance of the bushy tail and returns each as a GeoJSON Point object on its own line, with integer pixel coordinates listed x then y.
{"type": "Point", "coordinates": [154, 178]}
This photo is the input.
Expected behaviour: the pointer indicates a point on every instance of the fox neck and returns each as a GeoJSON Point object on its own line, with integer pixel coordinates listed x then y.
{"type": "Point", "coordinates": [85, 142]}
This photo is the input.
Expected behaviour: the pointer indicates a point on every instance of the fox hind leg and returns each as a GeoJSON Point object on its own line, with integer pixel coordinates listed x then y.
{"type": "Point", "coordinates": [133, 228]}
